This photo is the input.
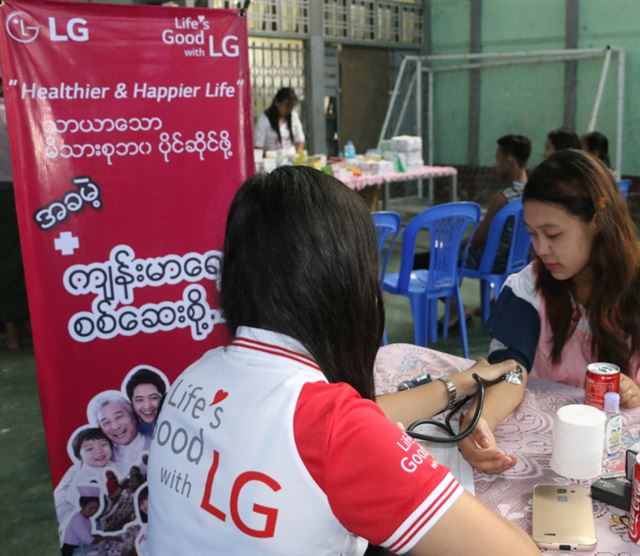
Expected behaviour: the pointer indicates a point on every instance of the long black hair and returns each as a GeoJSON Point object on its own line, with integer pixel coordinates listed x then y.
{"type": "Point", "coordinates": [564, 138]}
{"type": "Point", "coordinates": [288, 95]}
{"type": "Point", "coordinates": [300, 258]}
{"type": "Point", "coordinates": [581, 185]}
{"type": "Point", "coordinates": [596, 142]}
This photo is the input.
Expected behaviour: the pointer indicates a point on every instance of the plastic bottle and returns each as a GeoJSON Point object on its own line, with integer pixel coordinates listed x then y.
{"type": "Point", "coordinates": [349, 150]}
{"type": "Point", "coordinates": [613, 424]}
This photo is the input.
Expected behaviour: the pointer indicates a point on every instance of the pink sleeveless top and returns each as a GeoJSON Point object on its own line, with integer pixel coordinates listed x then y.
{"type": "Point", "coordinates": [514, 326]}
{"type": "Point", "coordinates": [576, 354]}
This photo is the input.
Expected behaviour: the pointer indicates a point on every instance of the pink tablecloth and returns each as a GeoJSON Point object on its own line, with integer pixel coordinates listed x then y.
{"type": "Point", "coordinates": [425, 172]}
{"type": "Point", "coordinates": [526, 433]}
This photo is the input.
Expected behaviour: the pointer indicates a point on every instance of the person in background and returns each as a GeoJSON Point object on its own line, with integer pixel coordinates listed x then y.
{"type": "Point", "coordinates": [123, 510]}
{"type": "Point", "coordinates": [144, 464]}
{"type": "Point", "coordinates": [92, 451]}
{"type": "Point", "coordinates": [577, 302]}
{"type": "Point", "coordinates": [512, 154]}
{"type": "Point", "coordinates": [559, 140]}
{"type": "Point", "coordinates": [13, 296]}
{"type": "Point", "coordinates": [146, 391]}
{"type": "Point", "coordinates": [143, 504]}
{"type": "Point", "coordinates": [112, 485]}
{"type": "Point", "coordinates": [78, 530]}
{"type": "Point", "coordinates": [596, 144]}
{"type": "Point", "coordinates": [142, 508]}
{"type": "Point", "coordinates": [113, 413]}
{"type": "Point", "coordinates": [279, 127]}
{"type": "Point", "coordinates": [288, 407]}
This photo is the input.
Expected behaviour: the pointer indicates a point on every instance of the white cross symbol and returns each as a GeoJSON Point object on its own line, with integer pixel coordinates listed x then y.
{"type": "Point", "coordinates": [66, 243]}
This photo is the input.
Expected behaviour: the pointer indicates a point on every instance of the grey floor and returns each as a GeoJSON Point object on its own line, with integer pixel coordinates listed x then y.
{"type": "Point", "coordinates": [399, 323]}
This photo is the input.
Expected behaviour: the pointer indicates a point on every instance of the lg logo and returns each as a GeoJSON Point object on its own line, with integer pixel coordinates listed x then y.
{"type": "Point", "coordinates": [20, 27]}
{"type": "Point", "coordinates": [23, 28]}
{"type": "Point", "coordinates": [77, 30]}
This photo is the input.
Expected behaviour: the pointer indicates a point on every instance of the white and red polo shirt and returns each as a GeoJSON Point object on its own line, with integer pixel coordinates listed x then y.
{"type": "Point", "coordinates": [256, 453]}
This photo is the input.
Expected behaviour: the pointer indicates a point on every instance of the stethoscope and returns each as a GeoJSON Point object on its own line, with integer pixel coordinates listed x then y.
{"type": "Point", "coordinates": [512, 377]}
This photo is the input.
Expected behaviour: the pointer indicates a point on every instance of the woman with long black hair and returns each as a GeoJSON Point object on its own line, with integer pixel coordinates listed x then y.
{"type": "Point", "coordinates": [279, 127]}
{"type": "Point", "coordinates": [276, 443]}
{"type": "Point", "coordinates": [576, 303]}
{"type": "Point", "coordinates": [596, 144]}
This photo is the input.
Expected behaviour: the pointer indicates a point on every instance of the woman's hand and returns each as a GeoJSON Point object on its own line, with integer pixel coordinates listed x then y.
{"type": "Point", "coordinates": [491, 372]}
{"type": "Point", "coordinates": [629, 392]}
{"type": "Point", "coordinates": [480, 450]}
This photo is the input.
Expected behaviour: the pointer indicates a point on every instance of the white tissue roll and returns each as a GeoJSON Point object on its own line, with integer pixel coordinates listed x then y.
{"type": "Point", "coordinates": [578, 438]}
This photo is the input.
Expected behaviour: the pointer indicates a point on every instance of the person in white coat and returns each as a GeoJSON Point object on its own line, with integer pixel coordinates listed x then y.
{"type": "Point", "coordinates": [279, 127]}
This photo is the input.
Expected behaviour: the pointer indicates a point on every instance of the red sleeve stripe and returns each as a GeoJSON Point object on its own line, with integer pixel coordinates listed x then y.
{"type": "Point", "coordinates": [436, 504]}
{"type": "Point", "coordinates": [275, 350]}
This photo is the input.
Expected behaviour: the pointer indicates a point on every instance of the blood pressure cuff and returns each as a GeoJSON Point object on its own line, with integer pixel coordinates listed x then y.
{"type": "Point", "coordinates": [515, 324]}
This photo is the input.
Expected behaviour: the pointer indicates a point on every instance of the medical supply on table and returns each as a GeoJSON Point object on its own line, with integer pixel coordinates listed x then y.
{"type": "Point", "coordinates": [615, 491]}
{"type": "Point", "coordinates": [413, 382]}
{"type": "Point", "coordinates": [454, 405]}
{"type": "Point", "coordinates": [578, 438]}
{"type": "Point", "coordinates": [613, 424]}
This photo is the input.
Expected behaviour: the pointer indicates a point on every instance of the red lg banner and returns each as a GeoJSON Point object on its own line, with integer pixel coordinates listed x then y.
{"type": "Point", "coordinates": [130, 130]}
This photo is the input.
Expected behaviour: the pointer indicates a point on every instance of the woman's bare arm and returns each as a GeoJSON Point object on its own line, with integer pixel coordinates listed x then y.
{"type": "Point", "coordinates": [429, 399]}
{"type": "Point", "coordinates": [469, 528]}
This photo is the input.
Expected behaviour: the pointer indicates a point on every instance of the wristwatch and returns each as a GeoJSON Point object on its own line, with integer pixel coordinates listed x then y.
{"type": "Point", "coordinates": [451, 391]}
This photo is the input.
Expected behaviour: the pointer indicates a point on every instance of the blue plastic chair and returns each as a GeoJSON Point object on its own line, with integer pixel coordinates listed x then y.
{"type": "Point", "coordinates": [623, 187]}
{"type": "Point", "coordinates": [447, 224]}
{"type": "Point", "coordinates": [491, 282]}
{"type": "Point", "coordinates": [387, 225]}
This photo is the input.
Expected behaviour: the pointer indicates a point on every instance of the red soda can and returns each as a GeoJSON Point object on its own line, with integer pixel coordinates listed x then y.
{"type": "Point", "coordinates": [634, 510]}
{"type": "Point", "coordinates": [601, 378]}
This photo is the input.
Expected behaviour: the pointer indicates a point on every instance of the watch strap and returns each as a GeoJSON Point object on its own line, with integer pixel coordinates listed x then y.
{"type": "Point", "coordinates": [451, 391]}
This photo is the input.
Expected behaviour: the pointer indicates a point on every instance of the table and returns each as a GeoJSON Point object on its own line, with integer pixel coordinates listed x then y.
{"type": "Point", "coordinates": [426, 172]}
{"type": "Point", "coordinates": [526, 433]}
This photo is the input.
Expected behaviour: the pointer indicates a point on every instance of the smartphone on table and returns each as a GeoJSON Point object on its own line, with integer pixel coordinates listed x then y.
{"type": "Point", "coordinates": [563, 518]}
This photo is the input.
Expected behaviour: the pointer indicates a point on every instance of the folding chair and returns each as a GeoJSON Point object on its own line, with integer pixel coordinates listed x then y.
{"type": "Point", "coordinates": [447, 224]}
{"type": "Point", "coordinates": [623, 187]}
{"type": "Point", "coordinates": [492, 278]}
{"type": "Point", "coordinates": [387, 225]}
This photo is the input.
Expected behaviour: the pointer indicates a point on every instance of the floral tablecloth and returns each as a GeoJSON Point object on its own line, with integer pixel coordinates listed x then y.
{"type": "Point", "coordinates": [426, 172]}
{"type": "Point", "coordinates": [525, 433]}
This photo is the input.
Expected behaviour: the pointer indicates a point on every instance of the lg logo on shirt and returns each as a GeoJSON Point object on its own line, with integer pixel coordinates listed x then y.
{"type": "Point", "coordinates": [270, 514]}
{"type": "Point", "coordinates": [417, 457]}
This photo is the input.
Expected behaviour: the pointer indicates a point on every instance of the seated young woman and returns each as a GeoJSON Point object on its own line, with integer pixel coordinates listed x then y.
{"type": "Point", "coordinates": [288, 453]}
{"type": "Point", "coordinates": [559, 140]}
{"type": "Point", "coordinates": [576, 303]}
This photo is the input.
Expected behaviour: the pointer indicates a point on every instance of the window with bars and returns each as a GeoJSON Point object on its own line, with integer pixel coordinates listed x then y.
{"type": "Point", "coordinates": [275, 63]}
{"type": "Point", "coordinates": [386, 22]}
{"type": "Point", "coordinates": [289, 17]}
{"type": "Point", "coordinates": [390, 22]}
